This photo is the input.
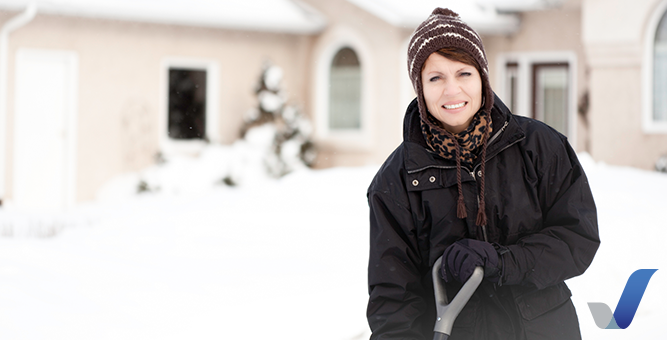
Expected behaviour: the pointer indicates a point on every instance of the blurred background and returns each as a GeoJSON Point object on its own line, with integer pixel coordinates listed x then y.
{"type": "Point", "coordinates": [120, 116]}
{"type": "Point", "coordinates": [97, 80]}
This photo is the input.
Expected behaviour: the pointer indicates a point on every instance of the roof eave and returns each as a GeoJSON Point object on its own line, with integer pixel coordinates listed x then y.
{"type": "Point", "coordinates": [314, 22]}
{"type": "Point", "coordinates": [522, 6]}
{"type": "Point", "coordinates": [501, 25]}
{"type": "Point", "coordinates": [507, 26]}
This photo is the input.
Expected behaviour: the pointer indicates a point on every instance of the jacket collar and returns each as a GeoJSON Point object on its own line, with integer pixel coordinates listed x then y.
{"type": "Point", "coordinates": [506, 131]}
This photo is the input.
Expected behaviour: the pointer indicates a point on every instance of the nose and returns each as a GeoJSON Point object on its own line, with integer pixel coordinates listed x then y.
{"type": "Point", "coordinates": [451, 87]}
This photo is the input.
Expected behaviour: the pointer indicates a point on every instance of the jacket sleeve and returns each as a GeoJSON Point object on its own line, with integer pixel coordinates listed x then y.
{"type": "Point", "coordinates": [568, 240]}
{"type": "Point", "coordinates": [397, 307]}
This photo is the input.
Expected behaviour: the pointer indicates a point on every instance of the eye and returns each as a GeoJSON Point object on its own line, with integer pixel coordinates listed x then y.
{"type": "Point", "coordinates": [466, 74]}
{"type": "Point", "coordinates": [434, 78]}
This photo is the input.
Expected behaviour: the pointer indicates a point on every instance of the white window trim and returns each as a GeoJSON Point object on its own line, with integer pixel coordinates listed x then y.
{"type": "Point", "coordinates": [525, 61]}
{"type": "Point", "coordinates": [353, 138]}
{"type": "Point", "coordinates": [648, 124]}
{"type": "Point", "coordinates": [170, 146]}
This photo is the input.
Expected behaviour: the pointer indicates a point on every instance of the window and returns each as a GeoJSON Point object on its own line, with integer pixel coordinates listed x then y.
{"type": "Point", "coordinates": [342, 108]}
{"type": "Point", "coordinates": [512, 83]}
{"type": "Point", "coordinates": [187, 104]}
{"type": "Point", "coordinates": [654, 72]}
{"type": "Point", "coordinates": [345, 91]}
{"type": "Point", "coordinates": [659, 113]}
{"type": "Point", "coordinates": [550, 94]}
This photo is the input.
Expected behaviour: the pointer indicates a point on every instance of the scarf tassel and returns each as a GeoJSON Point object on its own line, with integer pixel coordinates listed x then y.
{"type": "Point", "coordinates": [481, 216]}
{"type": "Point", "coordinates": [461, 208]}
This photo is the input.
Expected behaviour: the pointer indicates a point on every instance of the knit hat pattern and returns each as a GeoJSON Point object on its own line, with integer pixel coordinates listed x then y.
{"type": "Point", "coordinates": [444, 28]}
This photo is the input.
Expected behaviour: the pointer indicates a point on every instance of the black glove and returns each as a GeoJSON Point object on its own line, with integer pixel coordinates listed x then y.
{"type": "Point", "coordinates": [461, 258]}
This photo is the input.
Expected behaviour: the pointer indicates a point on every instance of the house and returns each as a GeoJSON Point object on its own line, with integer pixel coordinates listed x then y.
{"type": "Point", "coordinates": [89, 90]}
{"type": "Point", "coordinates": [87, 85]}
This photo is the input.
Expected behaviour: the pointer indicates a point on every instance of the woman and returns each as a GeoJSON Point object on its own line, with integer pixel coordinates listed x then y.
{"type": "Point", "coordinates": [484, 188]}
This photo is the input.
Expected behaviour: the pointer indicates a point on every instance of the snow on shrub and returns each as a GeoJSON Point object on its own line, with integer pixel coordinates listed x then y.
{"type": "Point", "coordinates": [661, 164]}
{"type": "Point", "coordinates": [276, 130]}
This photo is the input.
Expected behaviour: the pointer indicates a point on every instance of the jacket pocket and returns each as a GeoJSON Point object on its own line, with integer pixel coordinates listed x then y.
{"type": "Point", "coordinates": [538, 302]}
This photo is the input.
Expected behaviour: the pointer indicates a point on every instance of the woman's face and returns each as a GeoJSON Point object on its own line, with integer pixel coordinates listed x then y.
{"type": "Point", "coordinates": [452, 90]}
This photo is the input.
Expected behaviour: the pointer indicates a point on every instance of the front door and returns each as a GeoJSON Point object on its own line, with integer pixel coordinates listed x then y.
{"type": "Point", "coordinates": [44, 122]}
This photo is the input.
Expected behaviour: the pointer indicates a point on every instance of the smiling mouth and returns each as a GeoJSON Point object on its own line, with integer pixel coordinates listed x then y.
{"type": "Point", "coordinates": [455, 106]}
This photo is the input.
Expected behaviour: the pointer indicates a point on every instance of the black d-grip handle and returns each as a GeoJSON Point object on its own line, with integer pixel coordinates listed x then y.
{"type": "Point", "coordinates": [448, 311]}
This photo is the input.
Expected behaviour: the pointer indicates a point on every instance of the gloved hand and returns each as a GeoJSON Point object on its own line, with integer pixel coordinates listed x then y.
{"type": "Point", "coordinates": [462, 256]}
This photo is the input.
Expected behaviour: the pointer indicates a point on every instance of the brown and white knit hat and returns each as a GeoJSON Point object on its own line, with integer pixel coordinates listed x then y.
{"type": "Point", "coordinates": [444, 28]}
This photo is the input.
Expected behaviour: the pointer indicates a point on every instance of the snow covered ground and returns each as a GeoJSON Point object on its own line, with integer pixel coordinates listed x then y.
{"type": "Point", "coordinates": [285, 259]}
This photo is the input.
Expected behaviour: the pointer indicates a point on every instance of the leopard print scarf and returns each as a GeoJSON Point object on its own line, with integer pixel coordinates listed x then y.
{"type": "Point", "coordinates": [445, 143]}
{"type": "Point", "coordinates": [462, 147]}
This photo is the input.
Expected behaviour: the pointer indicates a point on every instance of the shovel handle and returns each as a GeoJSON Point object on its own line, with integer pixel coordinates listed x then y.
{"type": "Point", "coordinates": [448, 311]}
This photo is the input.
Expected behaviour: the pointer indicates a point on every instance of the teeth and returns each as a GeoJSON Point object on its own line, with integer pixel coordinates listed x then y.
{"type": "Point", "coordinates": [451, 107]}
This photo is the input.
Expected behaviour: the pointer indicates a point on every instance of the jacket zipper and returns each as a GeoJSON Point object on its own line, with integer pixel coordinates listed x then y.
{"type": "Point", "coordinates": [498, 133]}
{"type": "Point", "coordinates": [486, 238]}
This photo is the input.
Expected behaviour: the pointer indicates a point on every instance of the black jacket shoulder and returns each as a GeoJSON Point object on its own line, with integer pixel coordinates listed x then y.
{"type": "Point", "coordinates": [389, 181]}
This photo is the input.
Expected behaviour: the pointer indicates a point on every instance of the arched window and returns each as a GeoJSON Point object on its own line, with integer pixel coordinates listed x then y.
{"type": "Point", "coordinates": [660, 72]}
{"type": "Point", "coordinates": [345, 91]}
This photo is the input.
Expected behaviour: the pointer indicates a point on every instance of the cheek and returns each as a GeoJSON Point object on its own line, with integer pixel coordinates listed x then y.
{"type": "Point", "coordinates": [430, 96]}
{"type": "Point", "coordinates": [479, 89]}
{"type": "Point", "coordinates": [475, 92]}
{"type": "Point", "coordinates": [479, 94]}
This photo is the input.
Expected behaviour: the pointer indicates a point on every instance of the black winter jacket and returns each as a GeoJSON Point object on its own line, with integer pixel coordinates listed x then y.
{"type": "Point", "coordinates": [539, 205]}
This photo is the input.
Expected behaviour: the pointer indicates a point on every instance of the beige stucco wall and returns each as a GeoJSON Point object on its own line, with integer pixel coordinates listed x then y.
{"type": "Point", "coordinates": [615, 34]}
{"type": "Point", "coordinates": [120, 83]}
{"type": "Point", "coordinates": [545, 31]}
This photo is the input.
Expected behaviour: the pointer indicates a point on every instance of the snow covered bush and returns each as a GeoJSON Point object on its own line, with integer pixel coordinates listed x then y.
{"type": "Point", "coordinates": [281, 130]}
{"type": "Point", "coordinates": [661, 164]}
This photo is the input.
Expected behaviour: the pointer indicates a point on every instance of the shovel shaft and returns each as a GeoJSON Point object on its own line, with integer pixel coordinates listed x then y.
{"type": "Point", "coordinates": [447, 311]}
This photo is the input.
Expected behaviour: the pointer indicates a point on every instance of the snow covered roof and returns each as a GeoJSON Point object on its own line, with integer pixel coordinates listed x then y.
{"type": "Point", "coordinates": [521, 5]}
{"type": "Point", "coordinates": [483, 18]}
{"type": "Point", "coordinates": [258, 15]}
